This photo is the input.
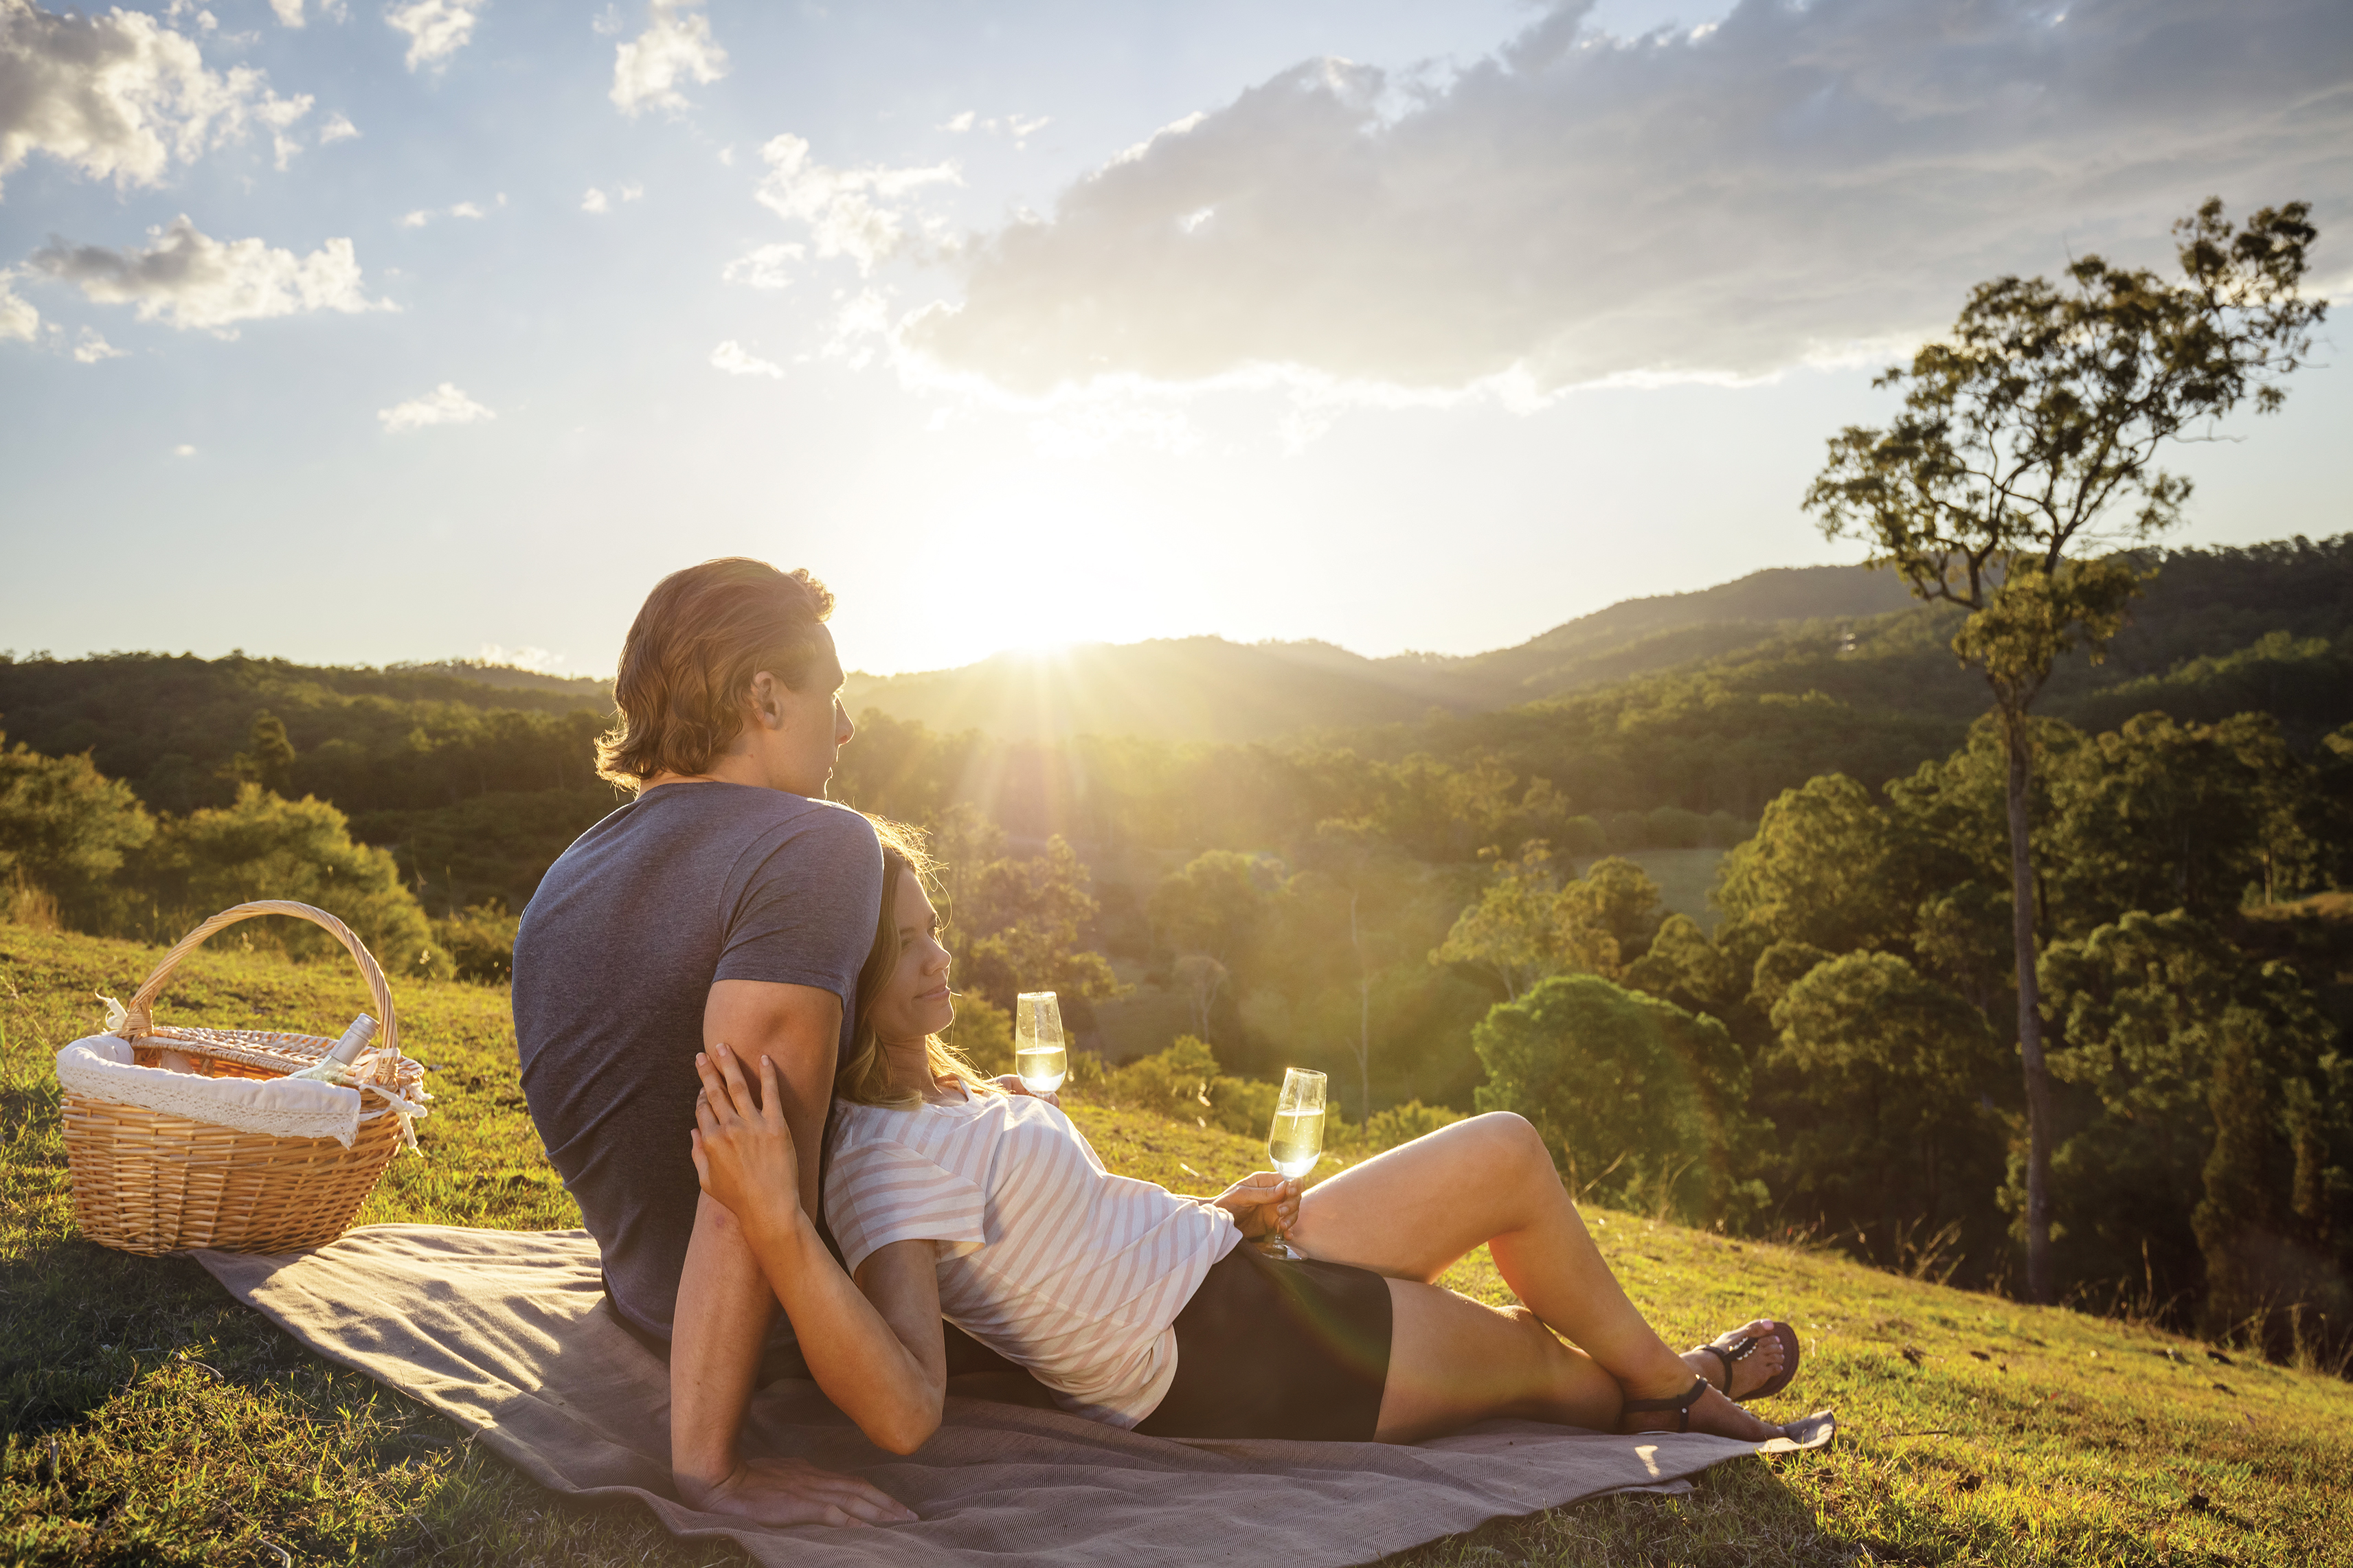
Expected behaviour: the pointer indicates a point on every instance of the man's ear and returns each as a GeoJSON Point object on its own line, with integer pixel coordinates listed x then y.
{"type": "Point", "coordinates": [768, 710]}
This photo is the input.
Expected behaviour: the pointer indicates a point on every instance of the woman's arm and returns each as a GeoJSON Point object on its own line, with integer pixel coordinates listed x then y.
{"type": "Point", "coordinates": [1261, 1203]}
{"type": "Point", "coordinates": [724, 1303]}
{"type": "Point", "coordinates": [875, 1347]}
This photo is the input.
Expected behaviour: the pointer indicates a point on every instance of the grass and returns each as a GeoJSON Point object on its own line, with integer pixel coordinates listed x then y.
{"type": "Point", "coordinates": [148, 1418]}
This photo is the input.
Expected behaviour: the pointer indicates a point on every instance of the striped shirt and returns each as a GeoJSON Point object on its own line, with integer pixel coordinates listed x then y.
{"type": "Point", "coordinates": [1044, 1256]}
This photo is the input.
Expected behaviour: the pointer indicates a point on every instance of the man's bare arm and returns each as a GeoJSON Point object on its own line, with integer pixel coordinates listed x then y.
{"type": "Point", "coordinates": [724, 1304]}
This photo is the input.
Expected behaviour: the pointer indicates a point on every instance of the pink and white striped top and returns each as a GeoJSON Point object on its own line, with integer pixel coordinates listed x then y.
{"type": "Point", "coordinates": [1044, 1256]}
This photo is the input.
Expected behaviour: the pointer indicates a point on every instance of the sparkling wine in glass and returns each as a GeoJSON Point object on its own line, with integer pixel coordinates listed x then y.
{"type": "Point", "coordinates": [1297, 1141]}
{"type": "Point", "coordinates": [1039, 1056]}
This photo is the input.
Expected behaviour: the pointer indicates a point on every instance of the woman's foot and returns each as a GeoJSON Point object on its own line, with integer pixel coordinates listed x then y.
{"type": "Point", "coordinates": [1749, 1373]}
{"type": "Point", "coordinates": [1711, 1413]}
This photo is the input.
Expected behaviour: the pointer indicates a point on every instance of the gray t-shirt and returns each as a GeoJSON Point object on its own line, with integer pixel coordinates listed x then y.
{"type": "Point", "coordinates": [690, 884]}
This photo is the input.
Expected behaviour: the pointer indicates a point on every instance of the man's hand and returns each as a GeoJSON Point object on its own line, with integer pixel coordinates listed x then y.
{"type": "Point", "coordinates": [743, 1152]}
{"type": "Point", "coordinates": [1011, 1084]}
{"type": "Point", "coordinates": [794, 1492]}
{"type": "Point", "coordinates": [1263, 1202]}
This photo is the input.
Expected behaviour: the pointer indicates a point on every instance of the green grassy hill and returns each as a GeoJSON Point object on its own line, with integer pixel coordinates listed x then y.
{"type": "Point", "coordinates": [149, 1419]}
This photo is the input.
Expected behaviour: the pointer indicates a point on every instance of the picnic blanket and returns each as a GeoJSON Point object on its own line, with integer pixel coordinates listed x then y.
{"type": "Point", "coordinates": [506, 1332]}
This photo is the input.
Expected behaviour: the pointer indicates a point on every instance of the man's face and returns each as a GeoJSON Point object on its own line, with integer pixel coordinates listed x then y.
{"type": "Point", "coordinates": [814, 725]}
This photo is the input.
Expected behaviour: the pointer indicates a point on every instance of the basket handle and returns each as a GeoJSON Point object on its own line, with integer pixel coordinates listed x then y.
{"type": "Point", "coordinates": [139, 1020]}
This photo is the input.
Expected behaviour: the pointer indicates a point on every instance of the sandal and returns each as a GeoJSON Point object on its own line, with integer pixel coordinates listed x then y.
{"type": "Point", "coordinates": [1681, 1404]}
{"type": "Point", "coordinates": [1738, 1351]}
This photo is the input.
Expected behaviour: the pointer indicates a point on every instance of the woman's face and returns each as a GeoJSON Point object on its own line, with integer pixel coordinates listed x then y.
{"type": "Point", "coordinates": [915, 1001]}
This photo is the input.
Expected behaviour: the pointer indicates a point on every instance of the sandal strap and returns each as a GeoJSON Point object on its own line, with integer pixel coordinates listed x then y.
{"type": "Point", "coordinates": [1737, 1350]}
{"type": "Point", "coordinates": [1680, 1405]}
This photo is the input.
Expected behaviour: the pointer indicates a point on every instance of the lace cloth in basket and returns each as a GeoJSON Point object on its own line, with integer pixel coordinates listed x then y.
{"type": "Point", "coordinates": [101, 1067]}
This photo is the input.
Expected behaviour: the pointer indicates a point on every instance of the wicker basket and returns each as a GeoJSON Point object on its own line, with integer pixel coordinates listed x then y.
{"type": "Point", "coordinates": [147, 1181]}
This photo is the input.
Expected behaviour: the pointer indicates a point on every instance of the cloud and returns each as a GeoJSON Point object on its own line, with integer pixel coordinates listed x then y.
{"type": "Point", "coordinates": [1800, 183]}
{"type": "Point", "coordinates": [338, 128]}
{"type": "Point", "coordinates": [197, 283]}
{"type": "Point", "coordinates": [525, 658]}
{"type": "Point", "coordinates": [765, 268]}
{"type": "Point", "coordinates": [597, 201]}
{"type": "Point", "coordinates": [19, 319]}
{"type": "Point", "coordinates": [676, 43]}
{"type": "Point", "coordinates": [857, 213]}
{"type": "Point", "coordinates": [93, 348]}
{"type": "Point", "coordinates": [289, 12]}
{"type": "Point", "coordinates": [731, 357]}
{"type": "Point", "coordinates": [436, 29]}
{"type": "Point", "coordinates": [1018, 127]}
{"type": "Point", "coordinates": [424, 215]}
{"type": "Point", "coordinates": [279, 114]}
{"type": "Point", "coordinates": [445, 404]}
{"type": "Point", "coordinates": [120, 96]}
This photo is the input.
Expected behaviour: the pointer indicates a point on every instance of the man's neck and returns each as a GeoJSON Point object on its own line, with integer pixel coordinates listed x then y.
{"type": "Point", "coordinates": [731, 767]}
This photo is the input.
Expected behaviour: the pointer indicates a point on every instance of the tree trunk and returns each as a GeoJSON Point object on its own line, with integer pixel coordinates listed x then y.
{"type": "Point", "coordinates": [2017, 743]}
{"type": "Point", "coordinates": [1364, 1017]}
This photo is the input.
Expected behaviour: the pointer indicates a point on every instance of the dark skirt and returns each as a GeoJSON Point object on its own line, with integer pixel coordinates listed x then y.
{"type": "Point", "coordinates": [1279, 1348]}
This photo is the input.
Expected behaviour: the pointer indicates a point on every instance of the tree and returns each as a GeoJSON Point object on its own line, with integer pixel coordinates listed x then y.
{"type": "Point", "coordinates": [64, 827]}
{"type": "Point", "coordinates": [1346, 853]}
{"type": "Point", "coordinates": [2157, 816]}
{"type": "Point", "coordinates": [1885, 1067]}
{"type": "Point", "coordinates": [1636, 1097]}
{"type": "Point", "coordinates": [2024, 457]}
{"type": "Point", "coordinates": [1822, 870]}
{"type": "Point", "coordinates": [2209, 1157]}
{"type": "Point", "coordinates": [264, 846]}
{"type": "Point", "coordinates": [1024, 922]}
{"type": "Point", "coordinates": [1213, 908]}
{"type": "Point", "coordinates": [1605, 919]}
{"type": "Point", "coordinates": [268, 759]}
{"type": "Point", "coordinates": [1510, 931]}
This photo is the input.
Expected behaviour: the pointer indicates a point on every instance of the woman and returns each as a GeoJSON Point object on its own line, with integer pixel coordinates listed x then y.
{"type": "Point", "coordinates": [1144, 1308]}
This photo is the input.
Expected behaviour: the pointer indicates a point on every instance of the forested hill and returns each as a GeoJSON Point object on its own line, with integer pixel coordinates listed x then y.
{"type": "Point", "coordinates": [1208, 689]}
{"type": "Point", "coordinates": [1852, 633]}
{"type": "Point", "coordinates": [1708, 702]}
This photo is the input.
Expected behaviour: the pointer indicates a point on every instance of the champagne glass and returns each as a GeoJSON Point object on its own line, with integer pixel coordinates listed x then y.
{"type": "Point", "coordinates": [1039, 1056]}
{"type": "Point", "coordinates": [1296, 1143]}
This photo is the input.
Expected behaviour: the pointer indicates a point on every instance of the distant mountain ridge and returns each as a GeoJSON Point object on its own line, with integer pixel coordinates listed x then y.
{"type": "Point", "coordinates": [1208, 688]}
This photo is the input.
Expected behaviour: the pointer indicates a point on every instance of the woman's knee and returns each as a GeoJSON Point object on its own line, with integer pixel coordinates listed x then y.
{"type": "Point", "coordinates": [1511, 1139]}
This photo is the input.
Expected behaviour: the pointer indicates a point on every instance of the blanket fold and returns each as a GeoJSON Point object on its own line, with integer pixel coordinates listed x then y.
{"type": "Point", "coordinates": [505, 1332]}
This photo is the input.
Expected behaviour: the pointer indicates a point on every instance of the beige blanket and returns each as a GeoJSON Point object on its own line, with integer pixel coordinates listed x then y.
{"type": "Point", "coordinates": [504, 1333]}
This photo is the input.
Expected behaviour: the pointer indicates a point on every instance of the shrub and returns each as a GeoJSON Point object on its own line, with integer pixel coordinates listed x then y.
{"type": "Point", "coordinates": [264, 846]}
{"type": "Point", "coordinates": [1184, 1082]}
{"type": "Point", "coordinates": [64, 829]}
{"type": "Point", "coordinates": [479, 942]}
{"type": "Point", "coordinates": [1402, 1124]}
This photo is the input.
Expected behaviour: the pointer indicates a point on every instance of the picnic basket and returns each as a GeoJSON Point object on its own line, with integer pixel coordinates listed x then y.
{"type": "Point", "coordinates": [151, 1180]}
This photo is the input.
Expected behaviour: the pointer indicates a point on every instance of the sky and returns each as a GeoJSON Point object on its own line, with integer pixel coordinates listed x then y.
{"type": "Point", "coordinates": [357, 332]}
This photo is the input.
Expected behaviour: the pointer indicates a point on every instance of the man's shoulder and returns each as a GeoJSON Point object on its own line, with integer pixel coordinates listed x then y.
{"type": "Point", "coordinates": [747, 818]}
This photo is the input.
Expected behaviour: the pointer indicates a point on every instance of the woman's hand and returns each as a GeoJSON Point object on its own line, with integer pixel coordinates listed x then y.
{"type": "Point", "coordinates": [1011, 1084]}
{"type": "Point", "coordinates": [1263, 1202]}
{"type": "Point", "coordinates": [743, 1152]}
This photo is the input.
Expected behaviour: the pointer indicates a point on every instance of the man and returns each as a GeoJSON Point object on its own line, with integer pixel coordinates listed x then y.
{"type": "Point", "coordinates": [730, 902]}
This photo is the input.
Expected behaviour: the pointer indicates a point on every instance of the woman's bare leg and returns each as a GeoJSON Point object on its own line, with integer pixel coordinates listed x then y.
{"type": "Point", "coordinates": [1453, 1361]}
{"type": "Point", "coordinates": [1412, 1211]}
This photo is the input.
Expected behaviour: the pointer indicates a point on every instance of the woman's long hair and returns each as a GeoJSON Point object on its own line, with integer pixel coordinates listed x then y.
{"type": "Point", "coordinates": [864, 1076]}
